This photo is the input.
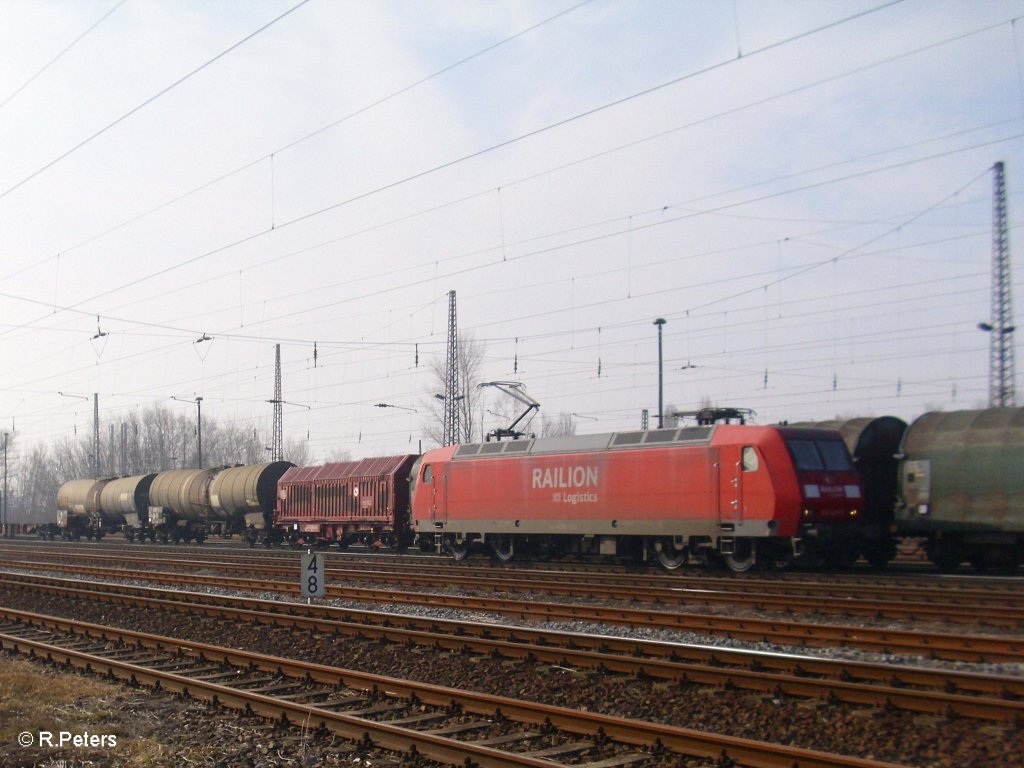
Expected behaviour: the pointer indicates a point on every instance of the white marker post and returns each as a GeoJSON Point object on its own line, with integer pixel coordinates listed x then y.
{"type": "Point", "coordinates": [313, 575]}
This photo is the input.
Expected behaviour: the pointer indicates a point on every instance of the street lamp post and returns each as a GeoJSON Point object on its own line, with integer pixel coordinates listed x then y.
{"type": "Point", "coordinates": [95, 428]}
{"type": "Point", "coordinates": [6, 529]}
{"type": "Point", "coordinates": [199, 424]}
{"type": "Point", "coordinates": [661, 406]}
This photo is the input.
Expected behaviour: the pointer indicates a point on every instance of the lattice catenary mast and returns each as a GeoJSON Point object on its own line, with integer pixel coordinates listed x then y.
{"type": "Point", "coordinates": [1001, 367]}
{"type": "Point", "coordinates": [277, 442]}
{"type": "Point", "coordinates": [452, 396]}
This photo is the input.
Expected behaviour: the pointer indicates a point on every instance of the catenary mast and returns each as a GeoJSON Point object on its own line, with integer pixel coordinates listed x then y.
{"type": "Point", "coordinates": [1001, 364]}
{"type": "Point", "coordinates": [452, 427]}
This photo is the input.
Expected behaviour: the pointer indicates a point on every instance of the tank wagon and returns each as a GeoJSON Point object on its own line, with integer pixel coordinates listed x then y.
{"type": "Point", "coordinates": [79, 512]}
{"type": "Point", "coordinates": [961, 487]}
{"type": "Point", "coordinates": [746, 494]}
{"type": "Point", "coordinates": [179, 505]}
{"type": "Point", "coordinates": [364, 501]}
{"type": "Point", "coordinates": [244, 497]}
{"type": "Point", "coordinates": [128, 497]}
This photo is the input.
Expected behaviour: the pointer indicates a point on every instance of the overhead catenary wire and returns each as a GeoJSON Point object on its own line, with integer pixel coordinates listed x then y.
{"type": "Point", "coordinates": [506, 322]}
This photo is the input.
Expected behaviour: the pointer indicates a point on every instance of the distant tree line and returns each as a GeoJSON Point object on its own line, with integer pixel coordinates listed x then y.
{"type": "Point", "coordinates": [155, 439]}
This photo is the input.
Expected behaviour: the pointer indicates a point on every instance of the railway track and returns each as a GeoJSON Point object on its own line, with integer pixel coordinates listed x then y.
{"type": "Point", "coordinates": [974, 606]}
{"type": "Point", "coordinates": [781, 631]}
{"type": "Point", "coordinates": [918, 581]}
{"type": "Point", "coordinates": [447, 725]}
{"type": "Point", "coordinates": [946, 692]}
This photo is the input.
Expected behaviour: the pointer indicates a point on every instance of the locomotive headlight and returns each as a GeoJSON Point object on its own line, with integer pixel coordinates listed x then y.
{"type": "Point", "coordinates": [807, 513]}
{"type": "Point", "coordinates": [853, 513]}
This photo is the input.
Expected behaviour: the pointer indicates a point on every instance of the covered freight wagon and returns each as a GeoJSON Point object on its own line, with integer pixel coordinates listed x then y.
{"type": "Point", "coordinates": [365, 501]}
{"type": "Point", "coordinates": [961, 485]}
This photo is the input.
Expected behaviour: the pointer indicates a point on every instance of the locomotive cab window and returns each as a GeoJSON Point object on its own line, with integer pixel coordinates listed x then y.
{"type": "Point", "coordinates": [750, 460]}
{"type": "Point", "coordinates": [428, 473]}
{"type": "Point", "coordinates": [805, 455]}
{"type": "Point", "coordinates": [835, 455]}
{"type": "Point", "coordinates": [817, 455]}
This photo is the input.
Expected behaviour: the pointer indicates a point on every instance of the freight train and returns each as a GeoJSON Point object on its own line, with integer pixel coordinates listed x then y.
{"type": "Point", "coordinates": [743, 494]}
{"type": "Point", "coordinates": [740, 493]}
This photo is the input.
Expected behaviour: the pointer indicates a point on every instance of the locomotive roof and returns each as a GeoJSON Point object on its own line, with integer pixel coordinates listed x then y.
{"type": "Point", "coordinates": [587, 443]}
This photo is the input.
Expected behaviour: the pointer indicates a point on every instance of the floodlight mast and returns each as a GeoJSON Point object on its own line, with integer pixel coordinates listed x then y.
{"type": "Point", "coordinates": [515, 390]}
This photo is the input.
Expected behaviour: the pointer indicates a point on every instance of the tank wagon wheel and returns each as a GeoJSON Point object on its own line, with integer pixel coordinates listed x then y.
{"type": "Point", "coordinates": [504, 548]}
{"type": "Point", "coordinates": [743, 557]}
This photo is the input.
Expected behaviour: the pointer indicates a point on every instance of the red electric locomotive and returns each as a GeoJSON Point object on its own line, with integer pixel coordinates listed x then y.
{"type": "Point", "coordinates": [745, 493]}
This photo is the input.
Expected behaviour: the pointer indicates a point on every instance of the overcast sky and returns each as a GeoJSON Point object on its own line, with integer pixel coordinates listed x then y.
{"type": "Point", "coordinates": [803, 190]}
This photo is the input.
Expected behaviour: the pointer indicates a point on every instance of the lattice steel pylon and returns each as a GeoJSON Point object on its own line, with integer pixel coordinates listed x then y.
{"type": "Point", "coordinates": [452, 394]}
{"type": "Point", "coordinates": [1001, 377]}
{"type": "Point", "coordinates": [277, 442]}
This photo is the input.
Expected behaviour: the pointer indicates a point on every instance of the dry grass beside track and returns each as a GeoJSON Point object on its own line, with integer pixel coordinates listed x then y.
{"type": "Point", "coordinates": [153, 730]}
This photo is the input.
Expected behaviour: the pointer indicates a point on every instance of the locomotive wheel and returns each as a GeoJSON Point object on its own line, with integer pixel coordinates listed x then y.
{"type": "Point", "coordinates": [504, 548]}
{"type": "Point", "coordinates": [458, 550]}
{"type": "Point", "coordinates": [669, 557]}
{"type": "Point", "coordinates": [743, 557]}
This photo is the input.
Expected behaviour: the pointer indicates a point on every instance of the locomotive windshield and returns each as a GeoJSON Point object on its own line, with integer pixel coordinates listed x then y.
{"type": "Point", "coordinates": [818, 455]}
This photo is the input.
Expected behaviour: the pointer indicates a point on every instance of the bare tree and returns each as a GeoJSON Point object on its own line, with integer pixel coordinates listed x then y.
{"type": "Point", "coordinates": [338, 456]}
{"type": "Point", "coordinates": [470, 360]}
{"type": "Point", "coordinates": [563, 424]}
{"type": "Point", "coordinates": [155, 439]}
{"type": "Point", "coordinates": [297, 452]}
